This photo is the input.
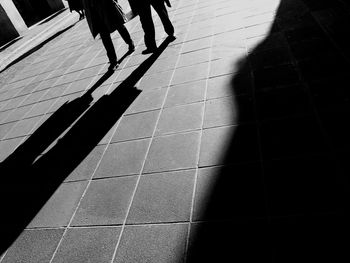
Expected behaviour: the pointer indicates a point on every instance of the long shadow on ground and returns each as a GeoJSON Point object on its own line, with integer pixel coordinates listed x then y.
{"type": "Point", "coordinates": [280, 193]}
{"type": "Point", "coordinates": [29, 179]}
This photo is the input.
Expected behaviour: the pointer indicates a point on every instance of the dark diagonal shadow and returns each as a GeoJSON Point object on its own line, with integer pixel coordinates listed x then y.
{"type": "Point", "coordinates": [56, 124]}
{"type": "Point", "coordinates": [273, 180]}
{"type": "Point", "coordinates": [29, 178]}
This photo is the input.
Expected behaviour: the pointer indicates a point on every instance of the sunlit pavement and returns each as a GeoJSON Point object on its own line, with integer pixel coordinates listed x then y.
{"type": "Point", "coordinates": [218, 148]}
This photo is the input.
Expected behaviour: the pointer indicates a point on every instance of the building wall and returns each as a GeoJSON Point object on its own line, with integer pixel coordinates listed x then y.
{"type": "Point", "coordinates": [14, 17]}
{"type": "Point", "coordinates": [56, 5]}
{"type": "Point", "coordinates": [13, 24]}
{"type": "Point", "coordinates": [7, 30]}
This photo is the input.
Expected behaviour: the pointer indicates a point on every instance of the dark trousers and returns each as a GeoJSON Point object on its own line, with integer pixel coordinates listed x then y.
{"type": "Point", "coordinates": [108, 44]}
{"type": "Point", "coordinates": [147, 21]}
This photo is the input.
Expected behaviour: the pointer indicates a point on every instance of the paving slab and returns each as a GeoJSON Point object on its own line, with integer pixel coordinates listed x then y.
{"type": "Point", "coordinates": [154, 243]}
{"type": "Point", "coordinates": [149, 100]}
{"type": "Point", "coordinates": [195, 57]}
{"type": "Point", "coordinates": [23, 127]}
{"type": "Point", "coordinates": [236, 183]}
{"type": "Point", "coordinates": [58, 211]}
{"type": "Point", "coordinates": [186, 93]}
{"type": "Point", "coordinates": [180, 119]}
{"type": "Point", "coordinates": [163, 197]}
{"type": "Point", "coordinates": [173, 152]}
{"type": "Point", "coordinates": [136, 126]}
{"type": "Point", "coordinates": [105, 202]}
{"type": "Point", "coordinates": [239, 142]}
{"type": "Point", "coordinates": [34, 246]}
{"type": "Point", "coordinates": [190, 73]}
{"type": "Point", "coordinates": [164, 64]}
{"type": "Point", "coordinates": [159, 80]}
{"type": "Point", "coordinates": [88, 244]}
{"type": "Point", "coordinates": [86, 168]}
{"type": "Point", "coordinates": [123, 158]}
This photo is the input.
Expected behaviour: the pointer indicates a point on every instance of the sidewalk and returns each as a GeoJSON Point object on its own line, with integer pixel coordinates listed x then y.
{"type": "Point", "coordinates": [217, 148]}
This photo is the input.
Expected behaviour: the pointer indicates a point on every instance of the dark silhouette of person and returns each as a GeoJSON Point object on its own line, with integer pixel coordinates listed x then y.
{"type": "Point", "coordinates": [143, 9]}
{"type": "Point", "coordinates": [77, 6]}
{"type": "Point", "coordinates": [104, 17]}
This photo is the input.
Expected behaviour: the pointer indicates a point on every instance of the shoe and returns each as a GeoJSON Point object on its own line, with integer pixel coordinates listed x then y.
{"type": "Point", "coordinates": [113, 66]}
{"type": "Point", "coordinates": [171, 38]}
{"type": "Point", "coordinates": [131, 48]}
{"type": "Point", "coordinates": [149, 51]}
{"type": "Point", "coordinates": [81, 16]}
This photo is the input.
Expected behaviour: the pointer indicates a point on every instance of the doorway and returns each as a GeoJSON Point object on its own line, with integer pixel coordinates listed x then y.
{"type": "Point", "coordinates": [33, 11]}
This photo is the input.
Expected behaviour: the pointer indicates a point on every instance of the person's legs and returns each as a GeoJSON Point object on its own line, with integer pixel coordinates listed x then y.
{"type": "Point", "coordinates": [162, 12]}
{"type": "Point", "coordinates": [148, 27]}
{"type": "Point", "coordinates": [81, 14]}
{"type": "Point", "coordinates": [124, 33]}
{"type": "Point", "coordinates": [108, 44]}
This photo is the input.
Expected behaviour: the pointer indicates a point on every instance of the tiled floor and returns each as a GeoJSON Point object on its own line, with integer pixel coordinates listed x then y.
{"type": "Point", "coordinates": [218, 149]}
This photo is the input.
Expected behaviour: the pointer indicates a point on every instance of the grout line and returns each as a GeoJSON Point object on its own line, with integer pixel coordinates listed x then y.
{"type": "Point", "coordinates": [199, 147]}
{"type": "Point", "coordinates": [88, 183]}
{"type": "Point", "coordinates": [3, 256]}
{"type": "Point", "coordinates": [136, 224]}
{"type": "Point", "coordinates": [107, 226]}
{"type": "Point", "coordinates": [25, 137]}
{"type": "Point", "coordinates": [58, 98]}
{"type": "Point", "coordinates": [30, 82]}
{"type": "Point", "coordinates": [144, 161]}
{"type": "Point", "coordinates": [48, 110]}
{"type": "Point", "coordinates": [41, 72]}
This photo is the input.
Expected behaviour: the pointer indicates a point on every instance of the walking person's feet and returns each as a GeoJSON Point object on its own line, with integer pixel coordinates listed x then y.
{"type": "Point", "coordinates": [131, 47]}
{"type": "Point", "coordinates": [171, 37]}
{"type": "Point", "coordinates": [81, 15]}
{"type": "Point", "coordinates": [149, 51]}
{"type": "Point", "coordinates": [113, 65]}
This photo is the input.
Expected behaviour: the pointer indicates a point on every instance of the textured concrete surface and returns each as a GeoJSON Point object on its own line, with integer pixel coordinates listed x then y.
{"type": "Point", "coordinates": [218, 148]}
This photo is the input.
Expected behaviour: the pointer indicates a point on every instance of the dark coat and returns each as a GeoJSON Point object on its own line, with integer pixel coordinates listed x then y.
{"type": "Point", "coordinates": [137, 5]}
{"type": "Point", "coordinates": [75, 5]}
{"type": "Point", "coordinates": [103, 15]}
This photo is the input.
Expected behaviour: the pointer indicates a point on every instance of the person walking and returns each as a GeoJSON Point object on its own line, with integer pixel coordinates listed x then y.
{"type": "Point", "coordinates": [104, 17]}
{"type": "Point", "coordinates": [77, 6]}
{"type": "Point", "coordinates": [143, 9]}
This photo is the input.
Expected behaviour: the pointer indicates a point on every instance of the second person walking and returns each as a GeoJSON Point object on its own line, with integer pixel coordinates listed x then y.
{"type": "Point", "coordinates": [143, 9]}
{"type": "Point", "coordinates": [104, 17]}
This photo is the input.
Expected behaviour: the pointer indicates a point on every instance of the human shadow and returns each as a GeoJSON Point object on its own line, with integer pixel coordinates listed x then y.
{"type": "Point", "coordinates": [30, 177]}
{"type": "Point", "coordinates": [275, 190]}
